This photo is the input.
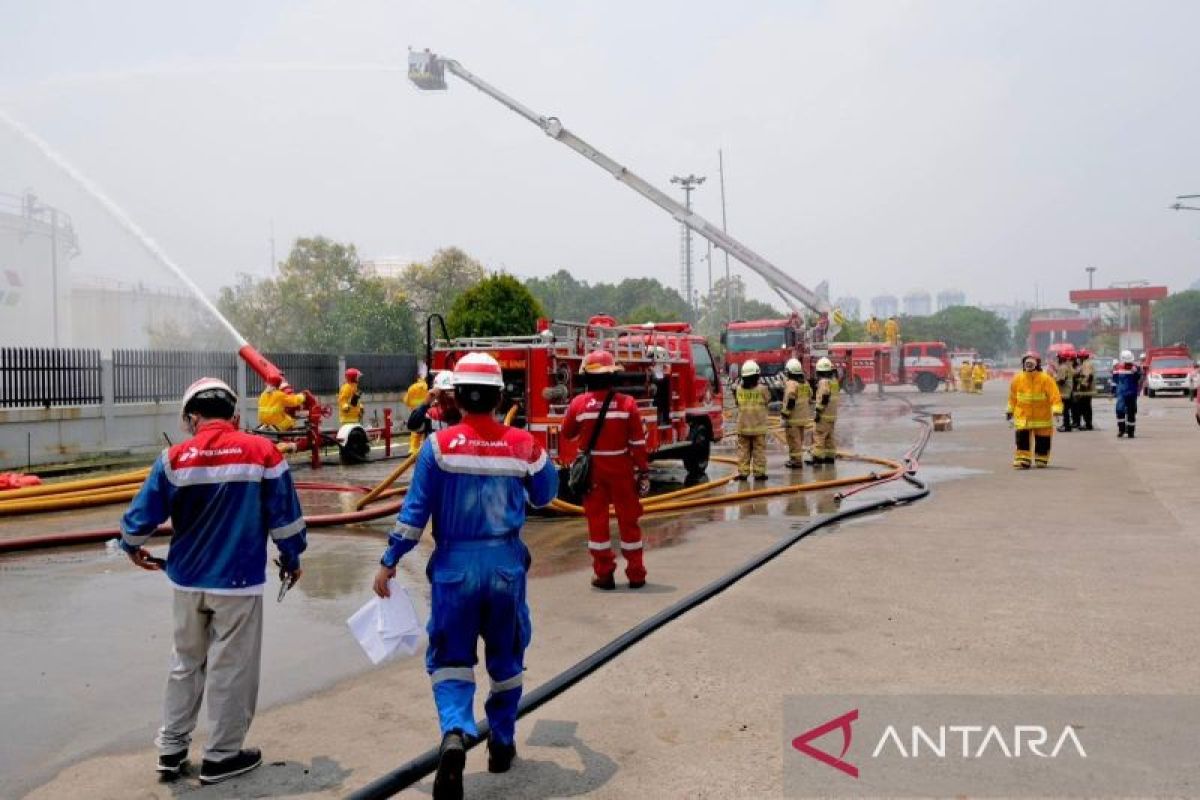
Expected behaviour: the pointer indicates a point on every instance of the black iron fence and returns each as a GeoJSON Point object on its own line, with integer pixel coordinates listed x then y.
{"type": "Point", "coordinates": [32, 377]}
{"type": "Point", "coordinates": [144, 376]}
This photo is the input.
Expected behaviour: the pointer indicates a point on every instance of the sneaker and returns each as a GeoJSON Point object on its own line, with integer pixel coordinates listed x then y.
{"type": "Point", "coordinates": [605, 582]}
{"type": "Point", "coordinates": [171, 767]}
{"type": "Point", "coordinates": [760, 477]}
{"type": "Point", "coordinates": [448, 784]}
{"type": "Point", "coordinates": [243, 762]}
{"type": "Point", "coordinates": [500, 756]}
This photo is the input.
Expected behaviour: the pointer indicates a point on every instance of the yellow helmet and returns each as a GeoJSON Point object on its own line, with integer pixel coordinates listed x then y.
{"type": "Point", "coordinates": [750, 368]}
{"type": "Point", "coordinates": [824, 365]}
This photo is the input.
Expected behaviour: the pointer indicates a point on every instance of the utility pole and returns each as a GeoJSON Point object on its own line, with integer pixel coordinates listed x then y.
{"type": "Point", "coordinates": [1090, 271]}
{"type": "Point", "coordinates": [725, 229]}
{"type": "Point", "coordinates": [689, 184]}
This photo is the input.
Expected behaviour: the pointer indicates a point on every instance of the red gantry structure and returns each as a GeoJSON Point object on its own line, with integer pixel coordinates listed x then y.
{"type": "Point", "coordinates": [1135, 323]}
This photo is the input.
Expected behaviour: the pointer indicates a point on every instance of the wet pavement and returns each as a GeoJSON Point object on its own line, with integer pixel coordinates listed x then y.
{"type": "Point", "coordinates": [79, 678]}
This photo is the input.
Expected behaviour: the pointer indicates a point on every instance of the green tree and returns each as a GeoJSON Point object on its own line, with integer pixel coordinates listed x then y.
{"type": "Point", "coordinates": [321, 303]}
{"type": "Point", "coordinates": [497, 306]}
{"type": "Point", "coordinates": [566, 298]}
{"type": "Point", "coordinates": [649, 313]}
{"type": "Point", "coordinates": [1177, 317]}
{"type": "Point", "coordinates": [960, 327]}
{"type": "Point", "coordinates": [433, 287]}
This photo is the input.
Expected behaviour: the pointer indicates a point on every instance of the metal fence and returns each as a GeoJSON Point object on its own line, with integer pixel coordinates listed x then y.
{"type": "Point", "coordinates": [143, 376]}
{"type": "Point", "coordinates": [32, 377]}
{"type": "Point", "coordinates": [384, 372]}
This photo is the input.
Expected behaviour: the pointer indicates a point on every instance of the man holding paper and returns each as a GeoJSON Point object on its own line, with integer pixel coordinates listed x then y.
{"type": "Point", "coordinates": [474, 480]}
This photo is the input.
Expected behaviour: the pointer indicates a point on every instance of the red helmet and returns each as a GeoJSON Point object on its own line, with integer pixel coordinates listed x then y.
{"type": "Point", "coordinates": [478, 369]}
{"type": "Point", "coordinates": [1084, 353]}
{"type": "Point", "coordinates": [1065, 355]}
{"type": "Point", "coordinates": [352, 375]}
{"type": "Point", "coordinates": [599, 362]}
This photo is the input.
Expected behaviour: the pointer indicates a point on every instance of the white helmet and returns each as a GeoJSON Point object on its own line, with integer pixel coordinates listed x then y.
{"type": "Point", "coordinates": [478, 369]}
{"type": "Point", "coordinates": [794, 366]}
{"type": "Point", "coordinates": [824, 365]}
{"type": "Point", "coordinates": [443, 381]}
{"type": "Point", "coordinates": [750, 369]}
{"type": "Point", "coordinates": [207, 388]}
{"type": "Point", "coordinates": [1127, 356]}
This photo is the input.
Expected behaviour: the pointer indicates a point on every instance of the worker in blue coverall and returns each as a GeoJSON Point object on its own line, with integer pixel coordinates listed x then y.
{"type": "Point", "coordinates": [1126, 383]}
{"type": "Point", "coordinates": [474, 479]}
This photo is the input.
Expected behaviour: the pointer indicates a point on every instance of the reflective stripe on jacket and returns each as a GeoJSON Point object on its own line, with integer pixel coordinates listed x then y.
{"type": "Point", "coordinates": [752, 409]}
{"type": "Point", "coordinates": [1033, 400]}
{"type": "Point", "coordinates": [622, 434]}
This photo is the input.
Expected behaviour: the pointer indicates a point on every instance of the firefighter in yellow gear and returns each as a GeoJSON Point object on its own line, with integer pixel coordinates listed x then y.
{"type": "Point", "coordinates": [978, 377]}
{"type": "Point", "coordinates": [417, 393]}
{"type": "Point", "coordinates": [874, 329]}
{"type": "Point", "coordinates": [277, 406]}
{"type": "Point", "coordinates": [891, 331]}
{"type": "Point", "coordinates": [350, 407]}
{"type": "Point", "coordinates": [824, 449]}
{"type": "Point", "coordinates": [965, 371]}
{"type": "Point", "coordinates": [796, 412]}
{"type": "Point", "coordinates": [1033, 404]}
{"type": "Point", "coordinates": [752, 398]}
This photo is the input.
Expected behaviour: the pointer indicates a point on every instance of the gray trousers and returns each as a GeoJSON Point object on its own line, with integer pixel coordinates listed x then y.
{"type": "Point", "coordinates": [218, 638]}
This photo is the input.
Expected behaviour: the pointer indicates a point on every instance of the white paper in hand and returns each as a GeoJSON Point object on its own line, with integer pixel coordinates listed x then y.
{"type": "Point", "coordinates": [387, 627]}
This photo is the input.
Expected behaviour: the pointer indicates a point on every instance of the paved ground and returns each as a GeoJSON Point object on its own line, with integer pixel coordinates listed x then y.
{"type": "Point", "coordinates": [1079, 578]}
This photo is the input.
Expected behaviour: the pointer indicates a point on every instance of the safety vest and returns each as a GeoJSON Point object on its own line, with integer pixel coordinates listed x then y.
{"type": "Point", "coordinates": [752, 410]}
{"type": "Point", "coordinates": [797, 395]}
{"type": "Point", "coordinates": [1033, 400]}
{"type": "Point", "coordinates": [827, 398]}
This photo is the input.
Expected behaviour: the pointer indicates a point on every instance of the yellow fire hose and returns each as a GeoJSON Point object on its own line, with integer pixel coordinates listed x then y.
{"type": "Point", "coordinates": [70, 487]}
{"type": "Point", "coordinates": [40, 504]}
{"type": "Point", "coordinates": [371, 496]}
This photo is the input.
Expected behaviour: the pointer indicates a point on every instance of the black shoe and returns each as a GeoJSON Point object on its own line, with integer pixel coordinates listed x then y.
{"type": "Point", "coordinates": [243, 762]}
{"type": "Point", "coordinates": [760, 477]}
{"type": "Point", "coordinates": [500, 756]}
{"type": "Point", "coordinates": [743, 477]}
{"type": "Point", "coordinates": [452, 757]}
{"type": "Point", "coordinates": [637, 584]}
{"type": "Point", "coordinates": [1129, 432]}
{"type": "Point", "coordinates": [606, 582]}
{"type": "Point", "coordinates": [171, 767]}
{"type": "Point", "coordinates": [794, 464]}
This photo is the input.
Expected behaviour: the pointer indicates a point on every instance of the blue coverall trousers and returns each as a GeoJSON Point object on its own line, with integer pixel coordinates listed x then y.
{"type": "Point", "coordinates": [478, 590]}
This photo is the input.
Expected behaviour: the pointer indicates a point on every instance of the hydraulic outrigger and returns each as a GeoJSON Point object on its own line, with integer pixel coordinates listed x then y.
{"type": "Point", "coordinates": [428, 71]}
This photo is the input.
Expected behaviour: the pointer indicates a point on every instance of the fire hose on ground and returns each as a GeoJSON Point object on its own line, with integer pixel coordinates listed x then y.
{"type": "Point", "coordinates": [423, 765]}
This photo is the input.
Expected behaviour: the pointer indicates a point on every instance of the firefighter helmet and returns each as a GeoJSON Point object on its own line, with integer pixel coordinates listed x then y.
{"type": "Point", "coordinates": [478, 369]}
{"type": "Point", "coordinates": [1127, 356]}
{"type": "Point", "coordinates": [443, 381]}
{"type": "Point", "coordinates": [599, 362]}
{"type": "Point", "coordinates": [1037, 359]}
{"type": "Point", "coordinates": [824, 365]}
{"type": "Point", "coordinates": [1084, 353]}
{"type": "Point", "coordinates": [794, 366]}
{"type": "Point", "coordinates": [750, 369]}
{"type": "Point", "coordinates": [352, 375]}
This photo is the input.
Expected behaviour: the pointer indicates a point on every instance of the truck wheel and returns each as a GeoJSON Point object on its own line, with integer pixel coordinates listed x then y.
{"type": "Point", "coordinates": [927, 382]}
{"type": "Point", "coordinates": [695, 458]}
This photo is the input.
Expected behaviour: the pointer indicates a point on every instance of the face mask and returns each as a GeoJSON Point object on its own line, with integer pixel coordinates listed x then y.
{"type": "Point", "coordinates": [1029, 366]}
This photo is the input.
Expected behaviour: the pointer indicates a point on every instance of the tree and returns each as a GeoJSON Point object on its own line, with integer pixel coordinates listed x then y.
{"type": "Point", "coordinates": [960, 327]}
{"type": "Point", "coordinates": [497, 306]}
{"type": "Point", "coordinates": [1177, 317]}
{"type": "Point", "coordinates": [433, 287]}
{"type": "Point", "coordinates": [648, 313]}
{"type": "Point", "coordinates": [321, 303]}
{"type": "Point", "coordinates": [566, 298]}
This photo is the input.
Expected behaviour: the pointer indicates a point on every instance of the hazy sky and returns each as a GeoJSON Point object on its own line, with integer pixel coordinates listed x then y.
{"type": "Point", "coordinates": [883, 146]}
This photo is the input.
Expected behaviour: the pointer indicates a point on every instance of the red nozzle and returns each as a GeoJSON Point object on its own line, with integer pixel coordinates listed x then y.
{"type": "Point", "coordinates": [270, 373]}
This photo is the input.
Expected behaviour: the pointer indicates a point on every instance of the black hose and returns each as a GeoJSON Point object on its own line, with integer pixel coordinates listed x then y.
{"type": "Point", "coordinates": [407, 774]}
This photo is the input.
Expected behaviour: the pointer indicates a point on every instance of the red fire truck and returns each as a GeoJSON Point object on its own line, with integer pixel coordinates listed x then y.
{"type": "Point", "coordinates": [768, 342]}
{"type": "Point", "coordinates": [923, 364]}
{"type": "Point", "coordinates": [666, 368]}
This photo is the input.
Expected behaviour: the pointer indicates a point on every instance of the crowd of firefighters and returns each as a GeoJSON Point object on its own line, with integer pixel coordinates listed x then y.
{"type": "Point", "coordinates": [808, 413]}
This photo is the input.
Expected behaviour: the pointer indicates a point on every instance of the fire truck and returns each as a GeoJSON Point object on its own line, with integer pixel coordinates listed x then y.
{"type": "Point", "coordinates": [922, 364]}
{"type": "Point", "coordinates": [665, 367]}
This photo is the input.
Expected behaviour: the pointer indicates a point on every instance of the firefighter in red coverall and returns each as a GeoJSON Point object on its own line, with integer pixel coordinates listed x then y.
{"type": "Point", "coordinates": [620, 471]}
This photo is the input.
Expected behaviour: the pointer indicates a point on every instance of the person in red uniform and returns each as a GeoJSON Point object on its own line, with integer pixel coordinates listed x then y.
{"type": "Point", "coordinates": [620, 471]}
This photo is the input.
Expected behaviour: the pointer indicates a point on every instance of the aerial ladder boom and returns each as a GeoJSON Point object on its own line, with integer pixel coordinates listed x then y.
{"type": "Point", "coordinates": [428, 71]}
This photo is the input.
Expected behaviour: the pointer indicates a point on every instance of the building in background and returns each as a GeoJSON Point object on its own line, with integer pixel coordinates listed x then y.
{"type": "Point", "coordinates": [885, 305]}
{"type": "Point", "coordinates": [37, 243]}
{"type": "Point", "coordinates": [918, 303]}
{"type": "Point", "coordinates": [1123, 310]}
{"type": "Point", "coordinates": [851, 307]}
{"type": "Point", "coordinates": [948, 298]}
{"type": "Point", "coordinates": [1009, 312]}
{"type": "Point", "coordinates": [385, 267]}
